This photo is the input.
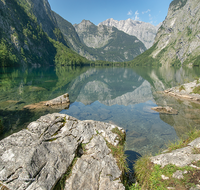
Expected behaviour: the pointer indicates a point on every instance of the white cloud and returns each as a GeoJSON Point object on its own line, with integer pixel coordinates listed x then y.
{"type": "Point", "coordinates": [130, 12]}
{"type": "Point", "coordinates": [146, 11]}
{"type": "Point", "coordinates": [136, 15]}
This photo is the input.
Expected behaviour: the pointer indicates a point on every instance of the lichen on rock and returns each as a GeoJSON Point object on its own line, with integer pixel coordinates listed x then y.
{"type": "Point", "coordinates": [39, 156]}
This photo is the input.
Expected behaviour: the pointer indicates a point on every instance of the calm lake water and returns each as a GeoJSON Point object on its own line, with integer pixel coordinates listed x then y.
{"type": "Point", "coordinates": [120, 95]}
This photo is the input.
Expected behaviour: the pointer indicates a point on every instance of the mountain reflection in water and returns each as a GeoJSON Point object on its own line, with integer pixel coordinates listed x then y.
{"type": "Point", "coordinates": [123, 96]}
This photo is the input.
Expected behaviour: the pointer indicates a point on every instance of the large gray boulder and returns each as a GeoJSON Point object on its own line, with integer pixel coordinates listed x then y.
{"type": "Point", "coordinates": [180, 157]}
{"type": "Point", "coordinates": [39, 156]}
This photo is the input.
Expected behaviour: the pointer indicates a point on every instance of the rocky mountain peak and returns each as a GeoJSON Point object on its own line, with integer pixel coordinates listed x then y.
{"type": "Point", "coordinates": [145, 32]}
{"type": "Point", "coordinates": [107, 39]}
{"type": "Point", "coordinates": [85, 23]}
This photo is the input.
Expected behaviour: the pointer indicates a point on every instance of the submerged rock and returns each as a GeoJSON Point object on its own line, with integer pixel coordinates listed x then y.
{"type": "Point", "coordinates": [185, 91]}
{"type": "Point", "coordinates": [63, 99]}
{"type": "Point", "coordinates": [166, 110]}
{"type": "Point", "coordinates": [61, 102]}
{"type": "Point", "coordinates": [39, 156]}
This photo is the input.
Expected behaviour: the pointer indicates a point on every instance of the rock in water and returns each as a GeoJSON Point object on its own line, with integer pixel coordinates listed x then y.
{"type": "Point", "coordinates": [39, 156]}
{"type": "Point", "coordinates": [63, 99]}
{"type": "Point", "coordinates": [165, 110]}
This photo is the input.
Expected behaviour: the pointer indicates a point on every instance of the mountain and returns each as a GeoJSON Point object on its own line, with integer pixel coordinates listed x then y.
{"type": "Point", "coordinates": [109, 42]}
{"type": "Point", "coordinates": [178, 39]}
{"type": "Point", "coordinates": [145, 32]}
{"type": "Point", "coordinates": [29, 35]}
{"type": "Point", "coordinates": [75, 43]}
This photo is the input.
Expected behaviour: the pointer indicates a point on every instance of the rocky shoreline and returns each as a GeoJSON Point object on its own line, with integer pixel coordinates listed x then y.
{"type": "Point", "coordinates": [58, 150]}
{"type": "Point", "coordinates": [54, 146]}
{"type": "Point", "coordinates": [185, 91]}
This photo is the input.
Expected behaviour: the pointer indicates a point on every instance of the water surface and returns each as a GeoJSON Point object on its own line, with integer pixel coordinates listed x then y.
{"type": "Point", "coordinates": [121, 95]}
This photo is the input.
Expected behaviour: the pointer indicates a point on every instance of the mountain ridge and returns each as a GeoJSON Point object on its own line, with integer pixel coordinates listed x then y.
{"type": "Point", "coordinates": [177, 42]}
{"type": "Point", "coordinates": [113, 44]}
{"type": "Point", "coordinates": [145, 32]}
{"type": "Point", "coordinates": [25, 40]}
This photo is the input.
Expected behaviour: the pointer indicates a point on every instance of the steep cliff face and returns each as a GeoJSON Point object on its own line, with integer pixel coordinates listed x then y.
{"type": "Point", "coordinates": [145, 32]}
{"type": "Point", "coordinates": [29, 35]}
{"type": "Point", "coordinates": [179, 37]}
{"type": "Point", "coordinates": [72, 37]}
{"type": "Point", "coordinates": [93, 36]}
{"type": "Point", "coordinates": [21, 36]}
{"type": "Point", "coordinates": [112, 44]}
{"type": "Point", "coordinates": [45, 17]}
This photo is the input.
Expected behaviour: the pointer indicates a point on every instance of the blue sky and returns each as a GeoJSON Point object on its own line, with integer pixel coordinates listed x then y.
{"type": "Point", "coordinates": [74, 11]}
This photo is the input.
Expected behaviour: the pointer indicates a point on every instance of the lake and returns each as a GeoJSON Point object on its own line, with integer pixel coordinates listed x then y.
{"type": "Point", "coordinates": [120, 95]}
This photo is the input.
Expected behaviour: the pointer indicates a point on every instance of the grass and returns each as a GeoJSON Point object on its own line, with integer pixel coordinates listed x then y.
{"type": "Point", "coordinates": [197, 79]}
{"type": "Point", "coordinates": [61, 183]}
{"type": "Point", "coordinates": [148, 175]}
{"type": "Point", "coordinates": [2, 187]}
{"type": "Point", "coordinates": [181, 88]}
{"type": "Point", "coordinates": [118, 152]}
{"type": "Point", "coordinates": [192, 135]}
{"type": "Point", "coordinates": [196, 90]}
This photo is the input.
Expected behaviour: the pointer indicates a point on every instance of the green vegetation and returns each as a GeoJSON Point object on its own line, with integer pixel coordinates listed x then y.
{"type": "Point", "coordinates": [197, 78]}
{"type": "Point", "coordinates": [176, 62]}
{"type": "Point", "coordinates": [116, 48]}
{"type": "Point", "coordinates": [7, 56]}
{"type": "Point", "coordinates": [192, 135]}
{"type": "Point", "coordinates": [181, 88]}
{"type": "Point", "coordinates": [145, 58]}
{"type": "Point", "coordinates": [197, 61]}
{"type": "Point", "coordinates": [28, 42]}
{"type": "Point", "coordinates": [118, 152]}
{"type": "Point", "coordinates": [148, 175]}
{"type": "Point", "coordinates": [196, 90]}
{"type": "Point", "coordinates": [179, 3]}
{"type": "Point", "coordinates": [61, 183]}
{"type": "Point", "coordinates": [189, 31]}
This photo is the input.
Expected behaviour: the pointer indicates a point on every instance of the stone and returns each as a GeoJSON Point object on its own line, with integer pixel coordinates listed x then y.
{"type": "Point", "coordinates": [164, 177]}
{"type": "Point", "coordinates": [195, 188]}
{"type": "Point", "coordinates": [61, 102]}
{"type": "Point", "coordinates": [187, 93]}
{"type": "Point", "coordinates": [195, 143]}
{"type": "Point", "coordinates": [178, 174]}
{"type": "Point", "coordinates": [165, 110]}
{"type": "Point", "coordinates": [192, 165]}
{"type": "Point", "coordinates": [180, 157]}
{"type": "Point", "coordinates": [63, 99]}
{"type": "Point", "coordinates": [38, 157]}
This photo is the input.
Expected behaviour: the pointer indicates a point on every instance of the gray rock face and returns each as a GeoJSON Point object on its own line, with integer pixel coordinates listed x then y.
{"type": "Point", "coordinates": [179, 34]}
{"type": "Point", "coordinates": [93, 36]}
{"type": "Point", "coordinates": [37, 157]}
{"type": "Point", "coordinates": [180, 157]}
{"type": "Point", "coordinates": [109, 42]}
{"type": "Point", "coordinates": [145, 32]}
